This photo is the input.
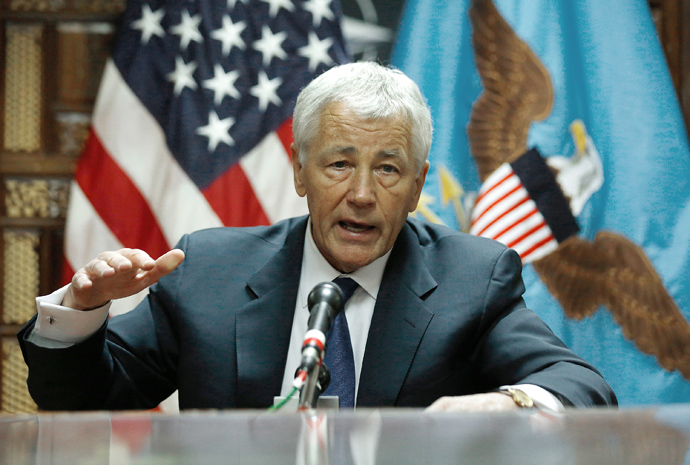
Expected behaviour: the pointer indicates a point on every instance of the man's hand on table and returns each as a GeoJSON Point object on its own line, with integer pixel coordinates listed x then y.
{"type": "Point", "coordinates": [489, 402]}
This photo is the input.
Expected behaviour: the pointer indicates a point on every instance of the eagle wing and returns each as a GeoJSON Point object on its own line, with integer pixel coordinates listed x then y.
{"type": "Point", "coordinates": [517, 90]}
{"type": "Point", "coordinates": [614, 272]}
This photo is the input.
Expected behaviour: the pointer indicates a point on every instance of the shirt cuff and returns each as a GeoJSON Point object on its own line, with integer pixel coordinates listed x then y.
{"type": "Point", "coordinates": [63, 324]}
{"type": "Point", "coordinates": [542, 398]}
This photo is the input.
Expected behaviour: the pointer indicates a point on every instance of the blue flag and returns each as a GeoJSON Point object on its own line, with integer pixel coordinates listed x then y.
{"type": "Point", "coordinates": [585, 84]}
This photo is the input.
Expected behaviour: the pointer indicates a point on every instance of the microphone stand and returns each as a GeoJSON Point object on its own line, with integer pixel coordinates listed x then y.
{"type": "Point", "coordinates": [316, 382]}
{"type": "Point", "coordinates": [309, 395]}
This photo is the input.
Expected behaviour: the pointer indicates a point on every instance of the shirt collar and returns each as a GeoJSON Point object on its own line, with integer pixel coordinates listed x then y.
{"type": "Point", "coordinates": [316, 269]}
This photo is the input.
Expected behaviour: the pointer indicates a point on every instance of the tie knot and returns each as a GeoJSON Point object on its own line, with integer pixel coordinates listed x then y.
{"type": "Point", "coordinates": [348, 286]}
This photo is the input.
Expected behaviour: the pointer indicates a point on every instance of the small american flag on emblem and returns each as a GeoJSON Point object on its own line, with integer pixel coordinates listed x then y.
{"type": "Point", "coordinates": [521, 205]}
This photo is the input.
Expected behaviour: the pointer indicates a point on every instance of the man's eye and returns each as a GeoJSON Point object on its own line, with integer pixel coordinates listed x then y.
{"type": "Point", "coordinates": [339, 164]}
{"type": "Point", "coordinates": [389, 169]}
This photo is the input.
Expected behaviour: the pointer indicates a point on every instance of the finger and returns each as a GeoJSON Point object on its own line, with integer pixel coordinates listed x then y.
{"type": "Point", "coordinates": [116, 260]}
{"type": "Point", "coordinates": [98, 268]}
{"type": "Point", "coordinates": [81, 280]}
{"type": "Point", "coordinates": [170, 260]}
{"type": "Point", "coordinates": [165, 264]}
{"type": "Point", "coordinates": [138, 258]}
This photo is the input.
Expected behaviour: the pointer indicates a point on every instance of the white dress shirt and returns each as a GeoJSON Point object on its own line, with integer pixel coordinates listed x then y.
{"type": "Point", "coordinates": [58, 326]}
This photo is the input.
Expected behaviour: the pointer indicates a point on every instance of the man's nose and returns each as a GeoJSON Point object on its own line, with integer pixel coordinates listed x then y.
{"type": "Point", "coordinates": [362, 188]}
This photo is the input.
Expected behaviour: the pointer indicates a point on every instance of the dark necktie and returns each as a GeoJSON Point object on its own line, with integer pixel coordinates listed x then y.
{"type": "Point", "coordinates": [340, 359]}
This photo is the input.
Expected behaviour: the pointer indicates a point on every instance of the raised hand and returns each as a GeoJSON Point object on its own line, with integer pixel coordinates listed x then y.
{"type": "Point", "coordinates": [114, 275]}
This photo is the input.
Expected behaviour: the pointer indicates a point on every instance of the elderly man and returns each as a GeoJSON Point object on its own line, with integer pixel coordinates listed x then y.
{"type": "Point", "coordinates": [437, 317]}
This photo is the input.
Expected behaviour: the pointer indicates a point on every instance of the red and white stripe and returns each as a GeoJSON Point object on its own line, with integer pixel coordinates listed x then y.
{"type": "Point", "coordinates": [505, 212]}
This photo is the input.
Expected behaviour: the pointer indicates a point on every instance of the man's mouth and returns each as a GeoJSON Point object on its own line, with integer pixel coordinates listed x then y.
{"type": "Point", "coordinates": [355, 227]}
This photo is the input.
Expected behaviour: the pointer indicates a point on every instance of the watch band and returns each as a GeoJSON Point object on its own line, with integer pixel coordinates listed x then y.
{"type": "Point", "coordinates": [521, 399]}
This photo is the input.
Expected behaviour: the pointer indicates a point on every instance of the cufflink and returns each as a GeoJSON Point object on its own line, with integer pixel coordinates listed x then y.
{"type": "Point", "coordinates": [521, 399]}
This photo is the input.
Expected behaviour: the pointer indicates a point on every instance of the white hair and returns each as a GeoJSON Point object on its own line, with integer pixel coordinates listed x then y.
{"type": "Point", "coordinates": [371, 91]}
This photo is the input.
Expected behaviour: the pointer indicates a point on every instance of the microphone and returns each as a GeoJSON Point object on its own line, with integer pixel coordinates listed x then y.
{"type": "Point", "coordinates": [325, 301]}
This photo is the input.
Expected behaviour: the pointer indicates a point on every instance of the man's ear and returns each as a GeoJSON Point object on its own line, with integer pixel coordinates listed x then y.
{"type": "Point", "coordinates": [419, 185]}
{"type": "Point", "coordinates": [297, 170]}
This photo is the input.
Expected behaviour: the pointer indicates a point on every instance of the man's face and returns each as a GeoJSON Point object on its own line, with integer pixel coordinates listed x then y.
{"type": "Point", "coordinates": [360, 181]}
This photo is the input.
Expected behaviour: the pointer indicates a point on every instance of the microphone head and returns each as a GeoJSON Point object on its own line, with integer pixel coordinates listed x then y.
{"type": "Point", "coordinates": [328, 293]}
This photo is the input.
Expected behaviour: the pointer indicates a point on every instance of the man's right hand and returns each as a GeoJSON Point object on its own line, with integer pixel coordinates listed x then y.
{"type": "Point", "coordinates": [114, 275]}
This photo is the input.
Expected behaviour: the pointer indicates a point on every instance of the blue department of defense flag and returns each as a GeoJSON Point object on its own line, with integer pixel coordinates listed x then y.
{"type": "Point", "coordinates": [192, 124]}
{"type": "Point", "coordinates": [589, 89]}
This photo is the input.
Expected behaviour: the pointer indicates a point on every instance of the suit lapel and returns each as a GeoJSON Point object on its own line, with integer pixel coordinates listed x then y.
{"type": "Point", "coordinates": [263, 326]}
{"type": "Point", "coordinates": [398, 324]}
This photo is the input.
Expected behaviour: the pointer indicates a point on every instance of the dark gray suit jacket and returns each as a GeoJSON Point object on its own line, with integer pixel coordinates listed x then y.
{"type": "Point", "coordinates": [449, 320]}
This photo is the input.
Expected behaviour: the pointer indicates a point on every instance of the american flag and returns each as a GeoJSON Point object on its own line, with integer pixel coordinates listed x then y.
{"type": "Point", "coordinates": [192, 124]}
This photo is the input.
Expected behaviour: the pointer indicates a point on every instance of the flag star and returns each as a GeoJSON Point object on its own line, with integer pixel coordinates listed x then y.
{"type": "Point", "coordinates": [182, 76]}
{"type": "Point", "coordinates": [150, 23]}
{"type": "Point", "coordinates": [217, 130]}
{"type": "Point", "coordinates": [319, 10]}
{"type": "Point", "coordinates": [275, 5]}
{"type": "Point", "coordinates": [265, 90]}
{"type": "Point", "coordinates": [269, 45]}
{"type": "Point", "coordinates": [317, 51]}
{"type": "Point", "coordinates": [222, 84]}
{"type": "Point", "coordinates": [229, 35]}
{"type": "Point", "coordinates": [188, 29]}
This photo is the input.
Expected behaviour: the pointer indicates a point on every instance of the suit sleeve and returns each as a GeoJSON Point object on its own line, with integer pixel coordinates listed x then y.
{"type": "Point", "coordinates": [517, 347]}
{"type": "Point", "coordinates": [129, 363]}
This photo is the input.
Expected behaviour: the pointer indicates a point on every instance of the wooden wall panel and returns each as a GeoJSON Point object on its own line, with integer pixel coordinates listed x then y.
{"type": "Point", "coordinates": [52, 54]}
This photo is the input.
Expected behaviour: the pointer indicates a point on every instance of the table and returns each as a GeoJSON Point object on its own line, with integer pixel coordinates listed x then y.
{"type": "Point", "coordinates": [659, 435]}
